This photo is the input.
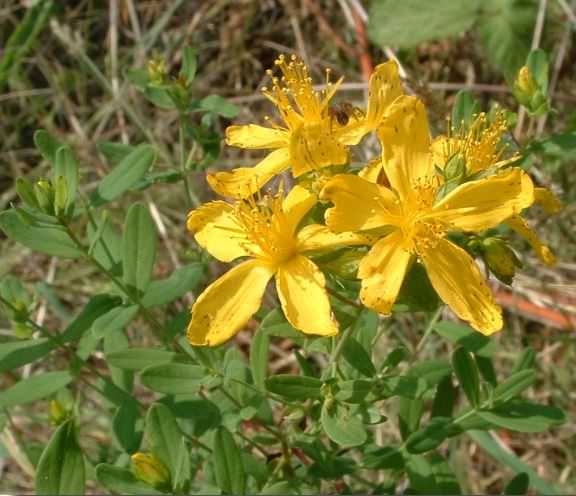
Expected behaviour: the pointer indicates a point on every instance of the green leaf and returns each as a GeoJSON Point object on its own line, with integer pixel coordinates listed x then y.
{"type": "Point", "coordinates": [46, 145]}
{"type": "Point", "coordinates": [467, 373]}
{"type": "Point", "coordinates": [228, 467]}
{"type": "Point", "coordinates": [417, 293]}
{"type": "Point", "coordinates": [430, 475]}
{"type": "Point", "coordinates": [401, 385]}
{"type": "Point", "coordinates": [354, 391]}
{"type": "Point", "coordinates": [514, 385]}
{"type": "Point", "coordinates": [486, 369]}
{"type": "Point", "coordinates": [189, 64]}
{"type": "Point", "coordinates": [445, 398]}
{"type": "Point", "coordinates": [66, 166]}
{"type": "Point", "coordinates": [18, 353]}
{"type": "Point", "coordinates": [180, 282]}
{"type": "Point", "coordinates": [465, 336]}
{"type": "Point", "coordinates": [295, 387]}
{"type": "Point", "coordinates": [34, 388]}
{"type": "Point", "coordinates": [182, 469]}
{"type": "Point", "coordinates": [523, 416]}
{"type": "Point", "coordinates": [463, 111]}
{"type": "Point", "coordinates": [527, 358]}
{"type": "Point", "coordinates": [490, 443]}
{"type": "Point", "coordinates": [396, 356]}
{"type": "Point", "coordinates": [114, 320]}
{"type": "Point", "coordinates": [44, 237]}
{"type": "Point", "coordinates": [140, 358]}
{"type": "Point", "coordinates": [114, 152]}
{"type": "Point", "coordinates": [202, 414]}
{"type": "Point", "coordinates": [358, 357]}
{"type": "Point", "coordinates": [105, 243]}
{"type": "Point", "coordinates": [127, 173]}
{"type": "Point", "coordinates": [61, 465]}
{"type": "Point", "coordinates": [539, 67]}
{"type": "Point", "coordinates": [409, 415]}
{"type": "Point", "coordinates": [98, 306]}
{"type": "Point", "coordinates": [121, 480]}
{"type": "Point", "coordinates": [505, 28]}
{"type": "Point", "coordinates": [218, 105]}
{"type": "Point", "coordinates": [139, 248]}
{"type": "Point", "coordinates": [518, 485]}
{"type": "Point", "coordinates": [342, 427]}
{"type": "Point", "coordinates": [127, 426]}
{"type": "Point", "coordinates": [408, 23]}
{"type": "Point", "coordinates": [259, 358]}
{"type": "Point", "coordinates": [432, 435]}
{"type": "Point", "coordinates": [164, 436]}
{"type": "Point", "coordinates": [173, 378]}
{"type": "Point", "coordinates": [385, 458]}
{"type": "Point", "coordinates": [431, 371]}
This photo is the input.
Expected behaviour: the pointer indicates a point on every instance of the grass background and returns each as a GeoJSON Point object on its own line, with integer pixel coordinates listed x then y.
{"type": "Point", "coordinates": [67, 75]}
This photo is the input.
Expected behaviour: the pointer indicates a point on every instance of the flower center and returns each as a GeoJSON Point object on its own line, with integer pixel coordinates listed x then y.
{"type": "Point", "coordinates": [268, 228]}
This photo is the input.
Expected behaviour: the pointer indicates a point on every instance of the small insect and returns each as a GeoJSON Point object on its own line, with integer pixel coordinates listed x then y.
{"type": "Point", "coordinates": [343, 111]}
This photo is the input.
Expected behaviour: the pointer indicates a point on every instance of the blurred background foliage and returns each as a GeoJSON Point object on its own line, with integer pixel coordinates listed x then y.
{"type": "Point", "coordinates": [72, 68]}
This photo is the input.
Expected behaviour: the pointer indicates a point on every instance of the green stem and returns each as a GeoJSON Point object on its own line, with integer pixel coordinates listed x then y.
{"type": "Point", "coordinates": [184, 161]}
{"type": "Point", "coordinates": [429, 328]}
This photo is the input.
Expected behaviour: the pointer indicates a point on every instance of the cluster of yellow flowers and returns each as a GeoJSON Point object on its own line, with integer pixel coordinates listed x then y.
{"type": "Point", "coordinates": [402, 206]}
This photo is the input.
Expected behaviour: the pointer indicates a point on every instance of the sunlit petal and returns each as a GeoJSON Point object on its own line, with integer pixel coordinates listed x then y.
{"type": "Point", "coordinates": [384, 88]}
{"type": "Point", "coordinates": [372, 171]}
{"type": "Point", "coordinates": [481, 204]}
{"type": "Point", "coordinates": [382, 272]}
{"type": "Point", "coordinates": [301, 289]}
{"type": "Point", "coordinates": [245, 181]}
{"type": "Point", "coordinates": [217, 230]}
{"type": "Point", "coordinates": [297, 204]}
{"type": "Point", "coordinates": [318, 237]}
{"type": "Point", "coordinates": [523, 229]}
{"type": "Point", "coordinates": [459, 282]}
{"type": "Point", "coordinates": [358, 204]}
{"type": "Point", "coordinates": [256, 137]}
{"type": "Point", "coordinates": [228, 303]}
{"type": "Point", "coordinates": [405, 138]}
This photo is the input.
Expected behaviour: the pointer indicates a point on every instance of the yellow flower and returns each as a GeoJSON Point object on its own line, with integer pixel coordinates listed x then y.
{"type": "Point", "coordinates": [149, 469]}
{"type": "Point", "coordinates": [414, 222]}
{"type": "Point", "coordinates": [312, 135]}
{"type": "Point", "coordinates": [481, 147]}
{"type": "Point", "coordinates": [268, 235]}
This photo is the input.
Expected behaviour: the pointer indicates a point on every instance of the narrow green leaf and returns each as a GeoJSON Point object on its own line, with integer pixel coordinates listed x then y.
{"type": "Point", "coordinates": [140, 358]}
{"type": "Point", "coordinates": [182, 469]}
{"type": "Point", "coordinates": [295, 387]}
{"type": "Point", "coordinates": [66, 166]}
{"type": "Point", "coordinates": [173, 378]}
{"type": "Point", "coordinates": [51, 239]}
{"type": "Point", "coordinates": [400, 385]}
{"type": "Point", "coordinates": [228, 467]}
{"type": "Point", "coordinates": [180, 282]}
{"type": "Point", "coordinates": [114, 320]}
{"type": "Point", "coordinates": [127, 173]}
{"type": "Point", "coordinates": [354, 391]}
{"type": "Point", "coordinates": [203, 415]}
{"type": "Point", "coordinates": [114, 152]}
{"type": "Point", "coordinates": [430, 475]}
{"type": "Point", "coordinates": [139, 248]}
{"type": "Point", "coordinates": [34, 388]}
{"type": "Point", "coordinates": [444, 399]}
{"type": "Point", "coordinates": [189, 63]}
{"type": "Point", "coordinates": [358, 357]}
{"type": "Point", "coordinates": [432, 435]}
{"type": "Point", "coordinates": [46, 145]}
{"type": "Point", "coordinates": [465, 336]}
{"type": "Point", "coordinates": [98, 305]}
{"type": "Point", "coordinates": [17, 353]}
{"type": "Point", "coordinates": [467, 373]}
{"type": "Point", "coordinates": [524, 416]}
{"type": "Point", "coordinates": [409, 415]}
{"type": "Point", "coordinates": [385, 458]}
{"type": "Point", "coordinates": [526, 360]}
{"type": "Point", "coordinates": [518, 485]}
{"type": "Point", "coordinates": [121, 480]}
{"type": "Point", "coordinates": [127, 427]}
{"type": "Point", "coordinates": [259, 358]}
{"type": "Point", "coordinates": [61, 466]}
{"type": "Point", "coordinates": [514, 385]}
{"type": "Point", "coordinates": [218, 105]}
{"type": "Point", "coordinates": [342, 427]}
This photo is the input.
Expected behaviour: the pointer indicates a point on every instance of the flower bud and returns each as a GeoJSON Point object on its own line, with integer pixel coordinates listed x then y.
{"type": "Point", "coordinates": [44, 193]}
{"type": "Point", "coordinates": [149, 469]}
{"type": "Point", "coordinates": [157, 71]}
{"type": "Point", "coordinates": [500, 259]}
{"type": "Point", "coordinates": [529, 94]}
{"type": "Point", "coordinates": [57, 412]}
{"type": "Point", "coordinates": [455, 168]}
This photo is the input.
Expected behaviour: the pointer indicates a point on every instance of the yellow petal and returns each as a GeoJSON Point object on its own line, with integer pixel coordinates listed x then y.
{"type": "Point", "coordinates": [458, 281]}
{"type": "Point", "coordinates": [372, 171]}
{"type": "Point", "coordinates": [297, 204]}
{"type": "Point", "coordinates": [314, 145]}
{"type": "Point", "coordinates": [245, 181]}
{"type": "Point", "coordinates": [217, 230]}
{"type": "Point", "coordinates": [256, 137]}
{"type": "Point", "coordinates": [547, 200]}
{"type": "Point", "coordinates": [228, 303]}
{"type": "Point", "coordinates": [405, 138]}
{"type": "Point", "coordinates": [382, 272]}
{"type": "Point", "coordinates": [523, 229]}
{"type": "Point", "coordinates": [318, 237]}
{"type": "Point", "coordinates": [383, 89]}
{"type": "Point", "coordinates": [481, 204]}
{"type": "Point", "coordinates": [358, 204]}
{"type": "Point", "coordinates": [442, 149]}
{"type": "Point", "coordinates": [301, 289]}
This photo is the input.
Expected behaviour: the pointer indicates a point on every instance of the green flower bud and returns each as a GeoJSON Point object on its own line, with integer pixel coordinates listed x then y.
{"type": "Point", "coordinates": [57, 412]}
{"type": "Point", "coordinates": [26, 192]}
{"type": "Point", "coordinates": [529, 94]}
{"type": "Point", "coordinates": [500, 259]}
{"type": "Point", "coordinates": [149, 469]}
{"type": "Point", "coordinates": [157, 71]}
{"type": "Point", "coordinates": [455, 168]}
{"type": "Point", "coordinates": [44, 193]}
